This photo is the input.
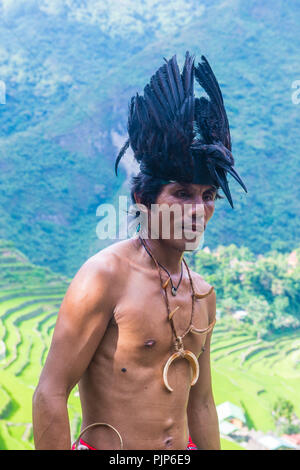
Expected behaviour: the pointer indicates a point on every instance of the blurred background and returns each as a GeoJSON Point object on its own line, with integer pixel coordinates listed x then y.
{"type": "Point", "coordinates": [68, 69]}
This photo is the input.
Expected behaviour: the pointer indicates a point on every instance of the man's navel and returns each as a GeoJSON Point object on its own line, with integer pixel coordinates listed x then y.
{"type": "Point", "coordinates": [168, 442]}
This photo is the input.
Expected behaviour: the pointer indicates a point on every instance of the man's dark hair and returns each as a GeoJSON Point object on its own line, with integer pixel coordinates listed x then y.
{"type": "Point", "coordinates": [149, 188]}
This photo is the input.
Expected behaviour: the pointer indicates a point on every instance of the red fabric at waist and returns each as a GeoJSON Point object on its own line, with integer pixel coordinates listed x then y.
{"type": "Point", "coordinates": [190, 446]}
{"type": "Point", "coordinates": [81, 441]}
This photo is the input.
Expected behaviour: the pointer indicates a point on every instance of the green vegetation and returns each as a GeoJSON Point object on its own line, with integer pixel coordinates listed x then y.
{"type": "Point", "coordinates": [265, 287]}
{"type": "Point", "coordinates": [249, 370]}
{"type": "Point", "coordinates": [65, 104]}
{"type": "Point", "coordinates": [229, 445]}
{"type": "Point", "coordinates": [61, 127]}
{"type": "Point", "coordinates": [284, 416]}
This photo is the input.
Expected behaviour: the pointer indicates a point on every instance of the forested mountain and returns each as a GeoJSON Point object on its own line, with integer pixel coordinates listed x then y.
{"type": "Point", "coordinates": [69, 70]}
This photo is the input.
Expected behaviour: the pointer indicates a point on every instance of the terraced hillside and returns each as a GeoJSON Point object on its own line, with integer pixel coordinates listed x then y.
{"type": "Point", "coordinates": [246, 372]}
{"type": "Point", "coordinates": [253, 373]}
{"type": "Point", "coordinates": [30, 297]}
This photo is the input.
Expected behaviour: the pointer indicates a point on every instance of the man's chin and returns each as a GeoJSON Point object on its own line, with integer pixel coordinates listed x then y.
{"type": "Point", "coordinates": [187, 243]}
{"type": "Point", "coordinates": [192, 243]}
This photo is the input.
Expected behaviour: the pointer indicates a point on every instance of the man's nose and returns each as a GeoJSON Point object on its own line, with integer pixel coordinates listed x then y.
{"type": "Point", "coordinates": [197, 208]}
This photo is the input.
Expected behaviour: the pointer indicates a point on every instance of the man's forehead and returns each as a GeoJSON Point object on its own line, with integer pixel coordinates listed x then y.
{"type": "Point", "coordinates": [193, 186]}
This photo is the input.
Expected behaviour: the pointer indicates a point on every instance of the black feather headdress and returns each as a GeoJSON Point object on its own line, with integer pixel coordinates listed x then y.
{"type": "Point", "coordinates": [178, 137]}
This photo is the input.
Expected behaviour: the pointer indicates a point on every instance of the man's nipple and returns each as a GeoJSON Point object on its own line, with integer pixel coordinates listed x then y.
{"type": "Point", "coordinates": [149, 343]}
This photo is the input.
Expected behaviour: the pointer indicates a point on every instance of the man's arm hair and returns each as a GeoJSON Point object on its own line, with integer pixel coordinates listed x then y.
{"type": "Point", "coordinates": [82, 320]}
{"type": "Point", "coordinates": [202, 415]}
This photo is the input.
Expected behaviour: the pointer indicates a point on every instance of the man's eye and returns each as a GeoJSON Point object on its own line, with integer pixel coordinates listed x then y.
{"type": "Point", "coordinates": [210, 196]}
{"type": "Point", "coordinates": [181, 193]}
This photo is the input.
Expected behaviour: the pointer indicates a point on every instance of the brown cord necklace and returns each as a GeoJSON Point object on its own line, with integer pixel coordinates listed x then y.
{"type": "Point", "coordinates": [180, 352]}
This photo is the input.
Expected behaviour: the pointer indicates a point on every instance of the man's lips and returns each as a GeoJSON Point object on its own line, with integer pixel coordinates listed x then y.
{"type": "Point", "coordinates": [194, 227]}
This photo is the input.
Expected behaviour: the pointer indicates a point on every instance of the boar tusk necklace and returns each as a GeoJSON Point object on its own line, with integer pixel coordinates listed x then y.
{"type": "Point", "coordinates": [180, 352]}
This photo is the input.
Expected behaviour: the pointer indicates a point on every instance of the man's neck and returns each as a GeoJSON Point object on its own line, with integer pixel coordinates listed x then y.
{"type": "Point", "coordinates": [168, 256]}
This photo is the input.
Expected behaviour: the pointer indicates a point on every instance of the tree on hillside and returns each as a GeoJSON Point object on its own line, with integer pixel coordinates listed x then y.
{"type": "Point", "coordinates": [260, 315]}
{"type": "Point", "coordinates": [285, 419]}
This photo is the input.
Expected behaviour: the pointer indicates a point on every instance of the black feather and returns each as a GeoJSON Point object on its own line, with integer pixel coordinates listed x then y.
{"type": "Point", "coordinates": [121, 153]}
{"type": "Point", "coordinates": [216, 115]}
{"type": "Point", "coordinates": [176, 136]}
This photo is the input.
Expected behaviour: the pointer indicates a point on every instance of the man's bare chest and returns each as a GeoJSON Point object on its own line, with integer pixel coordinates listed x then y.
{"type": "Point", "coordinates": [141, 318]}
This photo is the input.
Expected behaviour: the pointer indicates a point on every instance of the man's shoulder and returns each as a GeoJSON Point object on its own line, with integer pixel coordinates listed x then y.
{"type": "Point", "coordinates": [100, 278]}
{"type": "Point", "coordinates": [201, 285]}
{"type": "Point", "coordinates": [107, 263]}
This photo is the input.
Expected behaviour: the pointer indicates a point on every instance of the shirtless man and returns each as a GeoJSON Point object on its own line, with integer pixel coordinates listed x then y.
{"type": "Point", "coordinates": [113, 337]}
{"type": "Point", "coordinates": [113, 334]}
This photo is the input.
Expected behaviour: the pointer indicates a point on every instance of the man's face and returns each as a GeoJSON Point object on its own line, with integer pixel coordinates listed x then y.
{"type": "Point", "coordinates": [192, 207]}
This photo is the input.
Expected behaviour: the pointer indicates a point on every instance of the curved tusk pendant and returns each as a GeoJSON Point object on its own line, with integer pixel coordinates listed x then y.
{"type": "Point", "coordinates": [194, 364]}
{"type": "Point", "coordinates": [199, 331]}
{"type": "Point", "coordinates": [201, 296]}
{"type": "Point", "coordinates": [188, 355]}
{"type": "Point", "coordinates": [173, 311]}
{"type": "Point", "coordinates": [166, 283]}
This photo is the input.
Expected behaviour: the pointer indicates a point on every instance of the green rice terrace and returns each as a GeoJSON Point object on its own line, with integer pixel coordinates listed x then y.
{"type": "Point", "coordinates": [247, 370]}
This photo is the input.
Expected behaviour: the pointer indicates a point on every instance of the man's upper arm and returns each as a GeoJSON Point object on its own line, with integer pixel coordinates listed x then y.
{"type": "Point", "coordinates": [201, 392]}
{"type": "Point", "coordinates": [81, 323]}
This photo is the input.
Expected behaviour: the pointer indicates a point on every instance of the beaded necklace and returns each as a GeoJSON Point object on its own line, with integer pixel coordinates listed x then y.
{"type": "Point", "coordinates": [180, 352]}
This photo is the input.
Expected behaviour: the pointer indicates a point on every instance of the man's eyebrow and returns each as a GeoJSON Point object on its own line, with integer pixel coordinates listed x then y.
{"type": "Point", "coordinates": [186, 186]}
{"type": "Point", "coordinates": [177, 185]}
